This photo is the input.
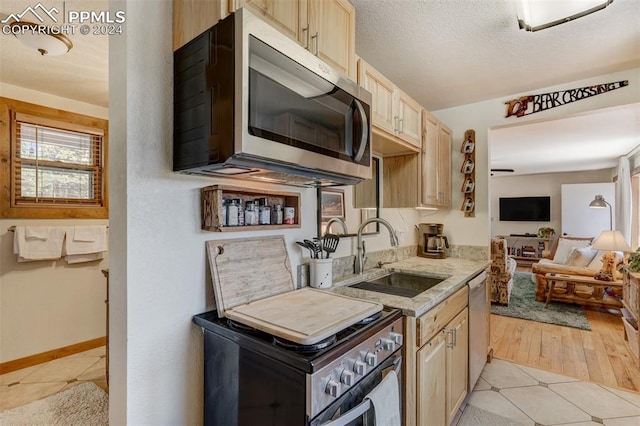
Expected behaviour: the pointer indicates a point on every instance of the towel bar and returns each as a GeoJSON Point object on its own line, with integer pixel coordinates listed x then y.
{"type": "Point", "coordinates": [13, 228]}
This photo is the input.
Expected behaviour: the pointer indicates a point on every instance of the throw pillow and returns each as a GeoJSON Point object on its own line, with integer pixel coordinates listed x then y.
{"type": "Point", "coordinates": [564, 246]}
{"type": "Point", "coordinates": [580, 256]}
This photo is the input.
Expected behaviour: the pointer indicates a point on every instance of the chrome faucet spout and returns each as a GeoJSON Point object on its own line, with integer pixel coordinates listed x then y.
{"type": "Point", "coordinates": [336, 220]}
{"type": "Point", "coordinates": [361, 256]}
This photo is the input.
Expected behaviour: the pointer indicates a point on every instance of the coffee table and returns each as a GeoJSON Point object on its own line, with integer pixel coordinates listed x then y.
{"type": "Point", "coordinates": [583, 290]}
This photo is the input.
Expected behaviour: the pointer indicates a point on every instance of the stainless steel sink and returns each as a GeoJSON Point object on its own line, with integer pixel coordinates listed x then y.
{"type": "Point", "coordinates": [401, 284]}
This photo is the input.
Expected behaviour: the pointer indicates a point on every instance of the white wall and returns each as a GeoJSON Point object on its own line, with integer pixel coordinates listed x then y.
{"type": "Point", "coordinates": [545, 184]}
{"type": "Point", "coordinates": [48, 305]}
{"type": "Point", "coordinates": [482, 116]}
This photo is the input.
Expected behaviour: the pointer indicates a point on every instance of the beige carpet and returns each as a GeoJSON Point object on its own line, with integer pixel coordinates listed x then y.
{"type": "Point", "coordinates": [83, 405]}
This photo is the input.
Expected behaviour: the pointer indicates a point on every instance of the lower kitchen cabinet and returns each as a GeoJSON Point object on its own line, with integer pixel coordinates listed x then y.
{"type": "Point", "coordinates": [431, 372]}
{"type": "Point", "coordinates": [442, 373]}
{"type": "Point", "coordinates": [436, 352]}
{"type": "Point", "coordinates": [457, 369]}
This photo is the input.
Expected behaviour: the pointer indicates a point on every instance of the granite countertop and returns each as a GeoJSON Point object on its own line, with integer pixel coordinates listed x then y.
{"type": "Point", "coordinates": [458, 271]}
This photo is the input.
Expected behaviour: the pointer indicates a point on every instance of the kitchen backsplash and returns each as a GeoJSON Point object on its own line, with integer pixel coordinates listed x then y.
{"type": "Point", "coordinates": [343, 266]}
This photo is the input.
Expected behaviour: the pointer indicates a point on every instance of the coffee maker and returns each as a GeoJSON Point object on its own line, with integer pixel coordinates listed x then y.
{"type": "Point", "coordinates": [432, 241]}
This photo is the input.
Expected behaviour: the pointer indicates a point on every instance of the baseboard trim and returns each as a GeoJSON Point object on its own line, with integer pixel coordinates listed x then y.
{"type": "Point", "coordinates": [20, 363]}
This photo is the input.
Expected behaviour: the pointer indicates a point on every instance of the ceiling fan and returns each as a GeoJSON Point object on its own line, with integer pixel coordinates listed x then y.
{"type": "Point", "coordinates": [502, 170]}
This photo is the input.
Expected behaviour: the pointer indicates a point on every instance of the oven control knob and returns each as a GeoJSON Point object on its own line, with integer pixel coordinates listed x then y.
{"type": "Point", "coordinates": [396, 337]}
{"type": "Point", "coordinates": [347, 377]}
{"type": "Point", "coordinates": [388, 345]}
{"type": "Point", "coordinates": [333, 388]}
{"type": "Point", "coordinates": [371, 359]}
{"type": "Point", "coordinates": [360, 367]}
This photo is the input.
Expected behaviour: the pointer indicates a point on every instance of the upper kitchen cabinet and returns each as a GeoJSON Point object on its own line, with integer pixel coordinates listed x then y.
{"type": "Point", "coordinates": [396, 117]}
{"type": "Point", "coordinates": [324, 27]}
{"type": "Point", "coordinates": [285, 15]}
{"type": "Point", "coordinates": [192, 17]}
{"type": "Point", "coordinates": [435, 163]}
{"type": "Point", "coordinates": [431, 168]}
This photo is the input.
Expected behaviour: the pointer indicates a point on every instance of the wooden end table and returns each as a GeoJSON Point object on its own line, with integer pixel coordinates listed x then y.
{"type": "Point", "coordinates": [597, 296]}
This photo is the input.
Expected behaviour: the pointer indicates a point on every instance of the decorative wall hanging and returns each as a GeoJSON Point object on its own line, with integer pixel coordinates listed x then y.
{"type": "Point", "coordinates": [530, 104]}
{"type": "Point", "coordinates": [468, 168]}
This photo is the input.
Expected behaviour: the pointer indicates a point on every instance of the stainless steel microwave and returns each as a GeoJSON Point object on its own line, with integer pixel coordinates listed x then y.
{"type": "Point", "coordinates": [251, 103]}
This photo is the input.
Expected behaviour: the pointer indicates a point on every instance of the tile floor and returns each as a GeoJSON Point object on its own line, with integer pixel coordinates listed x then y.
{"type": "Point", "coordinates": [506, 394]}
{"type": "Point", "coordinates": [512, 394]}
{"type": "Point", "coordinates": [39, 381]}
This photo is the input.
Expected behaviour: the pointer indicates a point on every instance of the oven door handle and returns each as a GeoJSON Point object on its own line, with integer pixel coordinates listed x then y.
{"type": "Point", "coordinates": [365, 132]}
{"type": "Point", "coordinates": [361, 408]}
{"type": "Point", "coordinates": [351, 415]}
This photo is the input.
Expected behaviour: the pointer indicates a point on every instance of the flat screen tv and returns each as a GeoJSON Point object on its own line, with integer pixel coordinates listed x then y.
{"type": "Point", "coordinates": [525, 209]}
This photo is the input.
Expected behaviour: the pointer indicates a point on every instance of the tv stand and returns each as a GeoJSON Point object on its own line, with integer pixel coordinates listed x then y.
{"type": "Point", "coordinates": [527, 249]}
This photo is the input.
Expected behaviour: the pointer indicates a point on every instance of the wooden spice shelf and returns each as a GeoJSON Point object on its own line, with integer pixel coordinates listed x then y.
{"type": "Point", "coordinates": [213, 202]}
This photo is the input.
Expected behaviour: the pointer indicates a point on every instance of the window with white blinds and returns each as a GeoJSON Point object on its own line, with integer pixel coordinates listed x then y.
{"type": "Point", "coordinates": [55, 165]}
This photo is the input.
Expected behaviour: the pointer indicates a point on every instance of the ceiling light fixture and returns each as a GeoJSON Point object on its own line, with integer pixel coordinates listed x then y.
{"type": "Point", "coordinates": [42, 38]}
{"type": "Point", "coordinates": [535, 15]}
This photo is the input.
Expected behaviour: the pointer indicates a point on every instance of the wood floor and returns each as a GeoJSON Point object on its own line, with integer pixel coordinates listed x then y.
{"type": "Point", "coordinates": [600, 355]}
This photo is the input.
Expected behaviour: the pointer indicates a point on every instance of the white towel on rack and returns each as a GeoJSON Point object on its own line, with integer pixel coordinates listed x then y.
{"type": "Point", "coordinates": [386, 401]}
{"type": "Point", "coordinates": [37, 233]}
{"type": "Point", "coordinates": [30, 249]}
{"type": "Point", "coordinates": [81, 240]}
{"type": "Point", "coordinates": [86, 233]}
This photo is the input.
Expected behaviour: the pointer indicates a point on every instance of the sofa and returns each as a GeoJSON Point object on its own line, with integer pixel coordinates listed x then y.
{"type": "Point", "coordinates": [569, 256]}
{"type": "Point", "coordinates": [500, 274]}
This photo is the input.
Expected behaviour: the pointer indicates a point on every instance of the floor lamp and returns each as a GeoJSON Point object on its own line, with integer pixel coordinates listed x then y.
{"type": "Point", "coordinates": [600, 203]}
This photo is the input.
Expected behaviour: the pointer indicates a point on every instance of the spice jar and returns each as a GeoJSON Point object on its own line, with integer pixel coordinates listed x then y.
{"type": "Point", "coordinates": [265, 212]}
{"type": "Point", "coordinates": [249, 214]}
{"type": "Point", "coordinates": [232, 213]}
{"type": "Point", "coordinates": [277, 215]}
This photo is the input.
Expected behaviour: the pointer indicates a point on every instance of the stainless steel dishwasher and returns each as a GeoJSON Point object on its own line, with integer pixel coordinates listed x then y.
{"type": "Point", "coordinates": [479, 312]}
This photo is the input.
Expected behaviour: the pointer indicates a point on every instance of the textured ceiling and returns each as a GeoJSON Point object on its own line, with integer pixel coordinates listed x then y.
{"type": "Point", "coordinates": [446, 53]}
{"type": "Point", "coordinates": [81, 74]}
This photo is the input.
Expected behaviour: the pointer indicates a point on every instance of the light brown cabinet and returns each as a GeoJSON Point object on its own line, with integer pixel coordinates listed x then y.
{"type": "Point", "coordinates": [435, 163]}
{"type": "Point", "coordinates": [437, 351]}
{"type": "Point", "coordinates": [324, 27]}
{"type": "Point", "coordinates": [285, 15]}
{"type": "Point", "coordinates": [193, 17]}
{"type": "Point", "coordinates": [421, 180]}
{"type": "Point", "coordinates": [431, 372]}
{"type": "Point", "coordinates": [457, 368]}
{"type": "Point", "coordinates": [395, 116]}
{"type": "Point", "coordinates": [327, 28]}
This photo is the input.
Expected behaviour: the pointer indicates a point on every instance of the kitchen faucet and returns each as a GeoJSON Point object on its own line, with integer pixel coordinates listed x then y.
{"type": "Point", "coordinates": [361, 257]}
{"type": "Point", "coordinates": [336, 220]}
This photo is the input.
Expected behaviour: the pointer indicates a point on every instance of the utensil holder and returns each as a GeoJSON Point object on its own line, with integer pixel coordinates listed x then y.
{"type": "Point", "coordinates": [321, 273]}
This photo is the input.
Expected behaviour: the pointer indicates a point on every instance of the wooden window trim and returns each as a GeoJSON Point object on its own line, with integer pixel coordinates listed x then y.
{"type": "Point", "coordinates": [50, 117]}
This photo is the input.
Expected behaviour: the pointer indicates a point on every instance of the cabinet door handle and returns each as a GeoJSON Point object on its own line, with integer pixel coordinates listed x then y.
{"type": "Point", "coordinates": [395, 124]}
{"type": "Point", "coordinates": [315, 36]}
{"type": "Point", "coordinates": [305, 30]}
{"type": "Point", "coordinates": [452, 332]}
{"type": "Point", "coordinates": [401, 126]}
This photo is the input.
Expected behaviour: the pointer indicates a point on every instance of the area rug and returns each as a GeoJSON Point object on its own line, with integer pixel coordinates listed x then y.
{"type": "Point", "coordinates": [523, 304]}
{"type": "Point", "coordinates": [82, 405]}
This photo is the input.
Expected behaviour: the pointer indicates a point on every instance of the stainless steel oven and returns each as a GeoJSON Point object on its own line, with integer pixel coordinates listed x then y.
{"type": "Point", "coordinates": [249, 102]}
{"type": "Point", "coordinates": [251, 379]}
{"type": "Point", "coordinates": [352, 408]}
